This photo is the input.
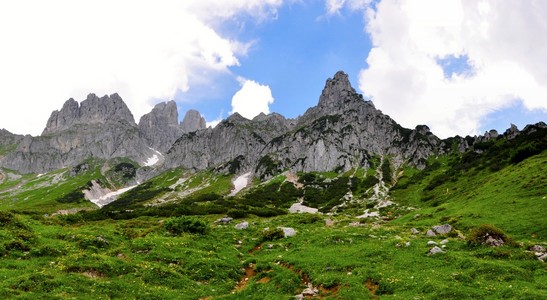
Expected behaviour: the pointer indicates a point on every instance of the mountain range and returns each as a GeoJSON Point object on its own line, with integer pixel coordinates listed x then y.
{"type": "Point", "coordinates": [342, 132]}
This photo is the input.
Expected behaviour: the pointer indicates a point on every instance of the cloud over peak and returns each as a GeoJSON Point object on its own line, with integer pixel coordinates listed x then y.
{"type": "Point", "coordinates": [252, 99]}
{"type": "Point", "coordinates": [145, 51]}
{"type": "Point", "coordinates": [451, 63]}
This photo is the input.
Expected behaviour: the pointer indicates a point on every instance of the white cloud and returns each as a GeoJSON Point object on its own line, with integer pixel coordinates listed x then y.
{"type": "Point", "coordinates": [145, 51]}
{"type": "Point", "coordinates": [504, 44]}
{"type": "Point", "coordinates": [334, 7]}
{"type": "Point", "coordinates": [252, 99]}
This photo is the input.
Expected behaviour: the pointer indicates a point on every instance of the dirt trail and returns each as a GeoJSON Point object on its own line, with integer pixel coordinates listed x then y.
{"type": "Point", "coordinates": [372, 287]}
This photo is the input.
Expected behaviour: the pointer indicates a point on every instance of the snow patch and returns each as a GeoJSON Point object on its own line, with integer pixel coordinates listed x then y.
{"type": "Point", "coordinates": [240, 183]}
{"type": "Point", "coordinates": [154, 159]}
{"type": "Point", "coordinates": [40, 175]}
{"type": "Point", "coordinates": [110, 197]}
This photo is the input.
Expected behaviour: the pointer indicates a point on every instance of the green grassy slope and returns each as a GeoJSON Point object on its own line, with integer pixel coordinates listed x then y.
{"type": "Point", "coordinates": [130, 249]}
{"type": "Point", "coordinates": [513, 198]}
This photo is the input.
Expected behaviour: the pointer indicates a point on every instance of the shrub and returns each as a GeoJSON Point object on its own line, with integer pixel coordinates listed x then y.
{"type": "Point", "coordinates": [272, 234]}
{"type": "Point", "coordinates": [237, 213]}
{"type": "Point", "coordinates": [182, 224]}
{"type": "Point", "coordinates": [479, 235]}
{"type": "Point", "coordinates": [310, 219]}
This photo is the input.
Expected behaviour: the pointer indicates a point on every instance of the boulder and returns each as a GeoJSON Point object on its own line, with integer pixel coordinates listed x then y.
{"type": "Point", "coordinates": [491, 241]}
{"type": "Point", "coordinates": [537, 248]}
{"type": "Point", "coordinates": [435, 250]}
{"type": "Point", "coordinates": [242, 225]}
{"type": "Point", "coordinates": [225, 220]}
{"type": "Point", "coordinates": [288, 231]}
{"type": "Point", "coordinates": [442, 229]}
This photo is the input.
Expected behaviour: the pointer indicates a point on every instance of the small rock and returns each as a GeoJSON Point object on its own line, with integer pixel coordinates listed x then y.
{"type": "Point", "coordinates": [432, 243]}
{"type": "Point", "coordinates": [329, 222]}
{"type": "Point", "coordinates": [242, 225]}
{"type": "Point", "coordinates": [538, 248]}
{"type": "Point", "coordinates": [224, 220]}
{"type": "Point", "coordinates": [430, 233]}
{"type": "Point", "coordinates": [435, 250]}
{"type": "Point", "coordinates": [442, 229]}
{"type": "Point", "coordinates": [407, 244]}
{"type": "Point", "coordinates": [414, 230]}
{"type": "Point", "coordinates": [444, 242]}
{"type": "Point", "coordinates": [310, 291]}
{"type": "Point", "coordinates": [490, 241]}
{"type": "Point", "coordinates": [543, 257]}
{"type": "Point", "coordinates": [270, 246]}
{"type": "Point", "coordinates": [288, 231]}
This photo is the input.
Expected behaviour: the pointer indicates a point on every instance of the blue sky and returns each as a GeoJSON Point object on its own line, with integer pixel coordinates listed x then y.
{"type": "Point", "coordinates": [294, 55]}
{"type": "Point", "coordinates": [460, 67]}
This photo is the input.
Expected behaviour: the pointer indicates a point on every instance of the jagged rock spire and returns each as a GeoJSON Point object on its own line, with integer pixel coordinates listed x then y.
{"type": "Point", "coordinates": [93, 110]}
{"type": "Point", "coordinates": [336, 91]}
{"type": "Point", "coordinates": [193, 121]}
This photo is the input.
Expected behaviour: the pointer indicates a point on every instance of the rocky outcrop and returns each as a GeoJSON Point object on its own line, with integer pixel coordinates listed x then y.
{"type": "Point", "coordinates": [93, 110]}
{"type": "Point", "coordinates": [192, 121]}
{"type": "Point", "coordinates": [234, 144]}
{"type": "Point", "coordinates": [341, 132]}
{"type": "Point", "coordinates": [160, 127]}
{"type": "Point", "coordinates": [97, 128]}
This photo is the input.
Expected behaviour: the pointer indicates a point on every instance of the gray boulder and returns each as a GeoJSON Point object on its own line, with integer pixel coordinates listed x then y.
{"type": "Point", "coordinates": [242, 225]}
{"type": "Point", "coordinates": [435, 250]}
{"type": "Point", "coordinates": [430, 233]}
{"type": "Point", "coordinates": [442, 229]}
{"type": "Point", "coordinates": [288, 231]}
{"type": "Point", "coordinates": [537, 248]}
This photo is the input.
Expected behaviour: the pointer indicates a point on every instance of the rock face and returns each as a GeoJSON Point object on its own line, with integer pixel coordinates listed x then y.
{"type": "Point", "coordinates": [160, 127]}
{"type": "Point", "coordinates": [98, 127]}
{"type": "Point", "coordinates": [192, 121]}
{"type": "Point", "coordinates": [343, 131]}
{"type": "Point", "coordinates": [93, 110]}
{"type": "Point", "coordinates": [234, 144]}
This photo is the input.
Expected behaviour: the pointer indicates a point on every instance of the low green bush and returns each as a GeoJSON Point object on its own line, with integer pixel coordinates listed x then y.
{"type": "Point", "coordinates": [272, 234]}
{"type": "Point", "coordinates": [478, 235]}
{"type": "Point", "coordinates": [183, 224]}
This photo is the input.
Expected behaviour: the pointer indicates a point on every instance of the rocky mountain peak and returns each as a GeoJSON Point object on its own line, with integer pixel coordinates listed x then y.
{"type": "Point", "coordinates": [337, 91]}
{"type": "Point", "coordinates": [193, 121]}
{"type": "Point", "coordinates": [93, 110]}
{"type": "Point", "coordinates": [160, 127]}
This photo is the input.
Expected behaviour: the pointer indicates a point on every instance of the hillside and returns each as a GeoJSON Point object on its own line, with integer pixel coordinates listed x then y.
{"type": "Point", "coordinates": [340, 203]}
{"type": "Point", "coordinates": [131, 250]}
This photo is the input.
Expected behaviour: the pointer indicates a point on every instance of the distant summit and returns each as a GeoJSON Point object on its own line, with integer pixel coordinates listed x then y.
{"type": "Point", "coordinates": [98, 127]}
{"type": "Point", "coordinates": [93, 110]}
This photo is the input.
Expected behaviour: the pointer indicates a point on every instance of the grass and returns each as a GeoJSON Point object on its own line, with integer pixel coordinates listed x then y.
{"type": "Point", "coordinates": [140, 258]}
{"type": "Point", "coordinates": [159, 252]}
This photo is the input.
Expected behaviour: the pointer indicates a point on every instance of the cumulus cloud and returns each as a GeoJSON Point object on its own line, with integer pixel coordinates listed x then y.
{"type": "Point", "coordinates": [503, 50]}
{"type": "Point", "coordinates": [334, 7]}
{"type": "Point", "coordinates": [145, 51]}
{"type": "Point", "coordinates": [252, 99]}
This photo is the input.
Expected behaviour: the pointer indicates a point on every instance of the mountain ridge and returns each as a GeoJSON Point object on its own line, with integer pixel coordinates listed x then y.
{"type": "Point", "coordinates": [343, 131]}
